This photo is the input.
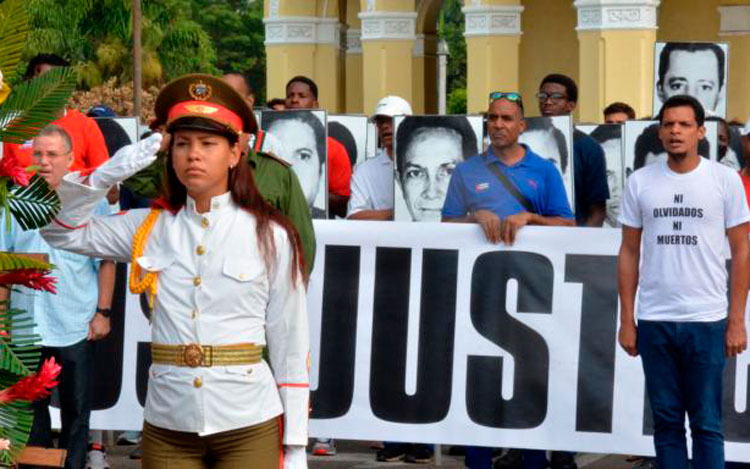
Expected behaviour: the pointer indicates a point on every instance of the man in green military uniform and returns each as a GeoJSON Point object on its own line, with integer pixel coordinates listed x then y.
{"type": "Point", "coordinates": [276, 182]}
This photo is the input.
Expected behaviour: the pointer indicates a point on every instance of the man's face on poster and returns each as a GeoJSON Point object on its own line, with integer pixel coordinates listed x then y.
{"type": "Point", "coordinates": [429, 163]}
{"type": "Point", "coordinates": [612, 150]}
{"type": "Point", "coordinates": [543, 144]}
{"type": "Point", "coordinates": [695, 74]}
{"type": "Point", "coordinates": [301, 151]}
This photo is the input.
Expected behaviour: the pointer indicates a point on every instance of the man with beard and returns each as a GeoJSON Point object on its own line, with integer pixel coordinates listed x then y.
{"type": "Point", "coordinates": [679, 213]}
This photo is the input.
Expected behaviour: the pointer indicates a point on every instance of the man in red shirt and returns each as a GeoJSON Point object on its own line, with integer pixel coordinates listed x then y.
{"type": "Point", "coordinates": [302, 93]}
{"type": "Point", "coordinates": [89, 148]}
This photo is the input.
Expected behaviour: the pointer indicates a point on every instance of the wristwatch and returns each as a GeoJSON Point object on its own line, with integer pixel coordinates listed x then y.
{"type": "Point", "coordinates": [104, 311]}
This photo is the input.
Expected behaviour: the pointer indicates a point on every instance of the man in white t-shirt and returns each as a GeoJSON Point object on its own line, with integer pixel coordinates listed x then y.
{"type": "Point", "coordinates": [678, 213]}
{"type": "Point", "coordinates": [373, 180]}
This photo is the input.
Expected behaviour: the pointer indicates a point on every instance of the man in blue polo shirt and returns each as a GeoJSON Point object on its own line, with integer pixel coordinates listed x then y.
{"type": "Point", "coordinates": [504, 189]}
{"type": "Point", "coordinates": [509, 186]}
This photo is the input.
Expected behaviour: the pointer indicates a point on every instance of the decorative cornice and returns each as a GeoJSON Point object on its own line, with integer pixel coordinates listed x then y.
{"type": "Point", "coordinates": [302, 30]}
{"type": "Point", "coordinates": [388, 25]}
{"type": "Point", "coordinates": [597, 15]}
{"type": "Point", "coordinates": [492, 20]}
{"type": "Point", "coordinates": [735, 20]}
{"type": "Point", "coordinates": [353, 38]}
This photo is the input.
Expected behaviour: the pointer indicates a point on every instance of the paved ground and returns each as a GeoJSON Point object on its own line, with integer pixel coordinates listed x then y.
{"type": "Point", "coordinates": [358, 455]}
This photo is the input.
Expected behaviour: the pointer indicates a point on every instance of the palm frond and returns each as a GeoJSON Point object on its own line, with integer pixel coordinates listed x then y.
{"type": "Point", "coordinates": [34, 104]}
{"type": "Point", "coordinates": [10, 261]}
{"type": "Point", "coordinates": [15, 425]}
{"type": "Point", "coordinates": [14, 27]}
{"type": "Point", "coordinates": [33, 206]}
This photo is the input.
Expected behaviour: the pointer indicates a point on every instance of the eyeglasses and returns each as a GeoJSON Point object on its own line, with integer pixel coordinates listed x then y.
{"type": "Point", "coordinates": [553, 96]}
{"type": "Point", "coordinates": [514, 97]}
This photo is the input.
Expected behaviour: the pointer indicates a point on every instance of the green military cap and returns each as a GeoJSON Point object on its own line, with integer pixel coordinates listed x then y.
{"type": "Point", "coordinates": [207, 97]}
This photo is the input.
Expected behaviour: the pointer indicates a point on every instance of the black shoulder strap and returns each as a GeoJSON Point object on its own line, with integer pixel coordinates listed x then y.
{"type": "Point", "coordinates": [509, 186]}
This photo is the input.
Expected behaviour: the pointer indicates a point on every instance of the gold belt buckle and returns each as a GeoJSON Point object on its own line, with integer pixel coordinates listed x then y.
{"type": "Point", "coordinates": [192, 356]}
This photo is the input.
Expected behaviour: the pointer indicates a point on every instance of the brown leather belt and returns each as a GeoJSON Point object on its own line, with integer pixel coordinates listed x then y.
{"type": "Point", "coordinates": [194, 355]}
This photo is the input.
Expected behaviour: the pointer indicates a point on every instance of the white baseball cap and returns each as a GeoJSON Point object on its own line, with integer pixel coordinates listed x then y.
{"type": "Point", "coordinates": [745, 132]}
{"type": "Point", "coordinates": [392, 106]}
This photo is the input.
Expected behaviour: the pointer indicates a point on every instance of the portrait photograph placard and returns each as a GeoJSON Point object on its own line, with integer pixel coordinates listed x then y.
{"type": "Point", "coordinates": [609, 136]}
{"type": "Point", "coordinates": [351, 131]}
{"type": "Point", "coordinates": [642, 144]}
{"type": "Point", "coordinates": [303, 136]}
{"type": "Point", "coordinates": [552, 139]}
{"type": "Point", "coordinates": [118, 131]}
{"type": "Point", "coordinates": [427, 150]}
{"type": "Point", "coordinates": [698, 69]}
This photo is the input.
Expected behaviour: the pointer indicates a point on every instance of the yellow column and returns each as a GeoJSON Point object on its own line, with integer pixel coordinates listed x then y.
{"type": "Point", "coordinates": [354, 99]}
{"type": "Point", "coordinates": [493, 38]}
{"type": "Point", "coordinates": [388, 36]}
{"type": "Point", "coordinates": [298, 42]}
{"type": "Point", "coordinates": [616, 48]}
{"type": "Point", "coordinates": [735, 30]}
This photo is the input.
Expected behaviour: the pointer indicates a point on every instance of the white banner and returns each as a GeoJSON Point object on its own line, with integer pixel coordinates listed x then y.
{"type": "Point", "coordinates": [428, 333]}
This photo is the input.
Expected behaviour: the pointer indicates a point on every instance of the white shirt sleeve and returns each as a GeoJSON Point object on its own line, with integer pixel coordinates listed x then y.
{"type": "Point", "coordinates": [630, 212]}
{"type": "Point", "coordinates": [359, 200]}
{"type": "Point", "coordinates": [76, 229]}
{"type": "Point", "coordinates": [736, 211]}
{"type": "Point", "coordinates": [288, 342]}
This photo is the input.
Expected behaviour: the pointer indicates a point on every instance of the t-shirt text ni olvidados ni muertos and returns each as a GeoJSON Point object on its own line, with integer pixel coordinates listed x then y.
{"type": "Point", "coordinates": [684, 217]}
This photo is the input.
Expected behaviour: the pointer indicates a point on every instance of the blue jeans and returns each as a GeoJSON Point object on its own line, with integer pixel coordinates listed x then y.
{"type": "Point", "coordinates": [683, 363]}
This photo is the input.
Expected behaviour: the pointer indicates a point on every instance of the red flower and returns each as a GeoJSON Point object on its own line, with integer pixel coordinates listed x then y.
{"type": "Point", "coordinates": [35, 386]}
{"type": "Point", "coordinates": [9, 167]}
{"type": "Point", "coordinates": [31, 278]}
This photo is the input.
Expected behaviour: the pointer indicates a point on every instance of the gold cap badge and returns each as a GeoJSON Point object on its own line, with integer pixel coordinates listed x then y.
{"type": "Point", "coordinates": [200, 91]}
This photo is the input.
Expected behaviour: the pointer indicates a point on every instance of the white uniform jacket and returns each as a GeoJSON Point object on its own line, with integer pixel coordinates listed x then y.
{"type": "Point", "coordinates": [213, 288]}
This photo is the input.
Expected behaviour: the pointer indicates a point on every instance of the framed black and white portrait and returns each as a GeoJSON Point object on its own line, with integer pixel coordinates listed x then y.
{"type": "Point", "coordinates": [427, 150]}
{"type": "Point", "coordinates": [609, 136]}
{"type": "Point", "coordinates": [552, 139]}
{"type": "Point", "coordinates": [350, 130]}
{"type": "Point", "coordinates": [643, 146]}
{"type": "Point", "coordinates": [303, 136]}
{"type": "Point", "coordinates": [698, 69]}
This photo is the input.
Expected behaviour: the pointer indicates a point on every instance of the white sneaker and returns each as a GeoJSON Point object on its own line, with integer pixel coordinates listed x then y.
{"type": "Point", "coordinates": [96, 458]}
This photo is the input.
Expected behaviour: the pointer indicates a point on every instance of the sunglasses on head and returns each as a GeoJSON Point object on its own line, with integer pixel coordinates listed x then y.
{"type": "Point", "coordinates": [514, 97]}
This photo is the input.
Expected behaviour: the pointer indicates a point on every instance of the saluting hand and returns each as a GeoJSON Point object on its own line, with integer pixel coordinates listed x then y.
{"type": "Point", "coordinates": [126, 162]}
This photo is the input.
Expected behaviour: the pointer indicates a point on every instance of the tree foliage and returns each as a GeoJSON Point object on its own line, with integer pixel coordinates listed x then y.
{"type": "Point", "coordinates": [451, 30]}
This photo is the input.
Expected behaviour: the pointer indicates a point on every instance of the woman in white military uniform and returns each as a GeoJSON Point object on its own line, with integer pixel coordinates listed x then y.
{"type": "Point", "coordinates": [224, 272]}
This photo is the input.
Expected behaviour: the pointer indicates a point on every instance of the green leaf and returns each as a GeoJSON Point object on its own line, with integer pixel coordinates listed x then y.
{"type": "Point", "coordinates": [15, 425]}
{"type": "Point", "coordinates": [36, 103]}
{"type": "Point", "coordinates": [33, 206]}
{"type": "Point", "coordinates": [14, 28]}
{"type": "Point", "coordinates": [10, 261]}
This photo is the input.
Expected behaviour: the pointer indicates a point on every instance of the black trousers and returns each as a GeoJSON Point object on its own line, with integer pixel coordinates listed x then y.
{"type": "Point", "coordinates": [74, 391]}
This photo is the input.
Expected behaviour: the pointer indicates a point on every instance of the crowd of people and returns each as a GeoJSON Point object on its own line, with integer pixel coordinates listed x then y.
{"type": "Point", "coordinates": [230, 238]}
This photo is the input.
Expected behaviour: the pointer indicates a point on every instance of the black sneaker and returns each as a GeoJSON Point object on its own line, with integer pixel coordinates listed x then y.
{"type": "Point", "coordinates": [563, 460]}
{"type": "Point", "coordinates": [512, 459]}
{"type": "Point", "coordinates": [419, 454]}
{"type": "Point", "coordinates": [392, 452]}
